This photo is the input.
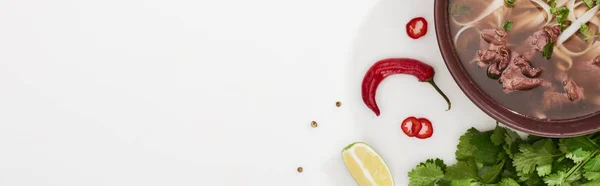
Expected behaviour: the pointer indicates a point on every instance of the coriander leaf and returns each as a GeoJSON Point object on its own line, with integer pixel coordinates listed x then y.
{"type": "Point", "coordinates": [440, 163]}
{"type": "Point", "coordinates": [465, 149]}
{"type": "Point", "coordinates": [592, 169]}
{"type": "Point", "coordinates": [552, 4]}
{"type": "Point", "coordinates": [498, 136]}
{"type": "Point", "coordinates": [492, 174]}
{"type": "Point", "coordinates": [425, 175]}
{"type": "Point", "coordinates": [583, 29]}
{"type": "Point", "coordinates": [530, 156]}
{"type": "Point", "coordinates": [562, 165]}
{"type": "Point", "coordinates": [574, 176]}
{"type": "Point", "coordinates": [544, 170]}
{"type": "Point", "coordinates": [592, 176]}
{"type": "Point", "coordinates": [485, 152]}
{"type": "Point", "coordinates": [508, 25]}
{"type": "Point", "coordinates": [442, 182]}
{"type": "Point", "coordinates": [465, 182]}
{"type": "Point", "coordinates": [512, 141]}
{"type": "Point", "coordinates": [510, 3]}
{"type": "Point", "coordinates": [561, 17]}
{"type": "Point", "coordinates": [589, 3]}
{"type": "Point", "coordinates": [462, 170]}
{"type": "Point", "coordinates": [592, 183]}
{"type": "Point", "coordinates": [587, 34]}
{"type": "Point", "coordinates": [572, 144]}
{"type": "Point", "coordinates": [578, 155]}
{"type": "Point", "coordinates": [556, 179]}
{"type": "Point", "coordinates": [508, 182]}
{"type": "Point", "coordinates": [560, 179]}
{"type": "Point", "coordinates": [548, 50]}
{"type": "Point", "coordinates": [533, 180]}
{"type": "Point", "coordinates": [561, 14]}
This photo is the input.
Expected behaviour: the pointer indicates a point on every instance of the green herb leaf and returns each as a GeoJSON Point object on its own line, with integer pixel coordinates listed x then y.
{"type": "Point", "coordinates": [462, 170]}
{"type": "Point", "coordinates": [532, 156]}
{"type": "Point", "coordinates": [442, 182]}
{"type": "Point", "coordinates": [425, 175]}
{"type": "Point", "coordinates": [465, 182]}
{"type": "Point", "coordinates": [578, 155]}
{"type": "Point", "coordinates": [552, 4]}
{"type": "Point", "coordinates": [587, 34]}
{"type": "Point", "coordinates": [510, 3]}
{"type": "Point", "coordinates": [498, 136]}
{"type": "Point", "coordinates": [592, 183]}
{"type": "Point", "coordinates": [508, 182]}
{"type": "Point", "coordinates": [438, 162]}
{"type": "Point", "coordinates": [508, 25]}
{"type": "Point", "coordinates": [556, 179]}
{"type": "Point", "coordinates": [512, 141]}
{"type": "Point", "coordinates": [465, 149]}
{"type": "Point", "coordinates": [592, 169]}
{"type": "Point", "coordinates": [589, 3]}
{"type": "Point", "coordinates": [572, 144]}
{"type": "Point", "coordinates": [562, 14]}
{"type": "Point", "coordinates": [583, 29]}
{"type": "Point", "coordinates": [492, 174]}
{"type": "Point", "coordinates": [548, 50]}
{"type": "Point", "coordinates": [486, 152]}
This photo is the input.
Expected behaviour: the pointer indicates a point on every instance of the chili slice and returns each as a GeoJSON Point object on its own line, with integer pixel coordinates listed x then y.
{"type": "Point", "coordinates": [426, 129]}
{"type": "Point", "coordinates": [416, 28]}
{"type": "Point", "coordinates": [411, 126]}
{"type": "Point", "coordinates": [384, 68]}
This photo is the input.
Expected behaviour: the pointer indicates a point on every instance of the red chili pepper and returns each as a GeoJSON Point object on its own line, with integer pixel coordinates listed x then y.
{"type": "Point", "coordinates": [426, 129]}
{"type": "Point", "coordinates": [384, 68]}
{"type": "Point", "coordinates": [416, 27]}
{"type": "Point", "coordinates": [411, 126]}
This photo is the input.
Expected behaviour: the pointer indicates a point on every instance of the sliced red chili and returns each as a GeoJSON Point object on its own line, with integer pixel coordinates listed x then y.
{"type": "Point", "coordinates": [416, 27]}
{"type": "Point", "coordinates": [411, 126]}
{"type": "Point", "coordinates": [384, 68]}
{"type": "Point", "coordinates": [426, 129]}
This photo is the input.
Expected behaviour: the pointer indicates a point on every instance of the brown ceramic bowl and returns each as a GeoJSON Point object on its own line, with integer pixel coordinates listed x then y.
{"type": "Point", "coordinates": [548, 128]}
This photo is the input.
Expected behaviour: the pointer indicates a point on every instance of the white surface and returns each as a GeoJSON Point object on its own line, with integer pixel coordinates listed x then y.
{"type": "Point", "coordinates": [188, 92]}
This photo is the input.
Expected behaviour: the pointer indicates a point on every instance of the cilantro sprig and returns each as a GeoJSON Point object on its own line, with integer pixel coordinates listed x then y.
{"type": "Point", "coordinates": [502, 158]}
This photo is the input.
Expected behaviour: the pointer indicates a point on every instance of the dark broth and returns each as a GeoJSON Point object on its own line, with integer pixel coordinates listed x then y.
{"type": "Point", "coordinates": [529, 102]}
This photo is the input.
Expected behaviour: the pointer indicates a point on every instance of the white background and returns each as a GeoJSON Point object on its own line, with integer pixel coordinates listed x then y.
{"type": "Point", "coordinates": [221, 92]}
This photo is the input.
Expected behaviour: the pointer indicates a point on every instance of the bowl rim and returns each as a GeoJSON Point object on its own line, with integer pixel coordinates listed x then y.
{"type": "Point", "coordinates": [548, 128]}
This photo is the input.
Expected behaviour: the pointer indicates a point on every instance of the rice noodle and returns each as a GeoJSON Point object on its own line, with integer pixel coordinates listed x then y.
{"type": "Point", "coordinates": [565, 63]}
{"type": "Point", "coordinates": [546, 8]}
{"type": "Point", "coordinates": [571, 30]}
{"type": "Point", "coordinates": [489, 10]}
{"type": "Point", "coordinates": [571, 7]}
{"type": "Point", "coordinates": [590, 46]}
{"type": "Point", "coordinates": [561, 3]}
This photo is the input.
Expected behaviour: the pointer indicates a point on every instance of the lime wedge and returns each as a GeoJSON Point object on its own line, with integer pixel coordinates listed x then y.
{"type": "Point", "coordinates": [366, 166]}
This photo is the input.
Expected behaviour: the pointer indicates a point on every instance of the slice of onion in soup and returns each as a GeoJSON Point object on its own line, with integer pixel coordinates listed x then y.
{"type": "Point", "coordinates": [574, 28]}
